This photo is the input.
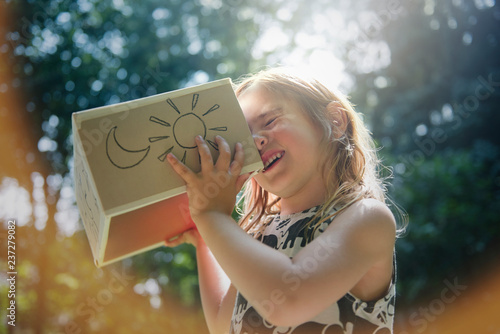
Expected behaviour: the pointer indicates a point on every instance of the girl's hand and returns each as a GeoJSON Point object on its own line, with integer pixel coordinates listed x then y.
{"type": "Point", "coordinates": [214, 189]}
{"type": "Point", "coordinates": [191, 237]}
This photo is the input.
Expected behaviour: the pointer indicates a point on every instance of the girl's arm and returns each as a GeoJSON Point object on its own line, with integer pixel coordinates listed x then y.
{"type": "Point", "coordinates": [217, 294]}
{"type": "Point", "coordinates": [288, 291]}
{"type": "Point", "coordinates": [284, 291]}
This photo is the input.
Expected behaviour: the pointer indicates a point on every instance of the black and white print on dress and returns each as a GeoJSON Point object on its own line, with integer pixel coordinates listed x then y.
{"type": "Point", "coordinates": [349, 315]}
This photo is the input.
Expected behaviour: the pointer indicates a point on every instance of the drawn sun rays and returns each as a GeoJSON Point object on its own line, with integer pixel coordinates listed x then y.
{"type": "Point", "coordinates": [183, 130]}
{"type": "Point", "coordinates": [185, 127]}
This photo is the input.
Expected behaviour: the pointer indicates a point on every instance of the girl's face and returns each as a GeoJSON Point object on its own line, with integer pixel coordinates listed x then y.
{"type": "Point", "coordinates": [288, 142]}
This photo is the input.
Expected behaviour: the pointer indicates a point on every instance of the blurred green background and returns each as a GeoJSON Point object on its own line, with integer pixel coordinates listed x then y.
{"type": "Point", "coordinates": [425, 75]}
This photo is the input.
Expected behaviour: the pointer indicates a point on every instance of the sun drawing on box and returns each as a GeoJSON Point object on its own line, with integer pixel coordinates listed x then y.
{"type": "Point", "coordinates": [123, 158]}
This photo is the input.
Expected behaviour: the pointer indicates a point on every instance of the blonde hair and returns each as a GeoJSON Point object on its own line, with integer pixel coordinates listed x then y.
{"type": "Point", "coordinates": [351, 167]}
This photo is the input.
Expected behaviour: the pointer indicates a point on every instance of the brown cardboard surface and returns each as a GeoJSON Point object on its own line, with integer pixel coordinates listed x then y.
{"type": "Point", "coordinates": [147, 226]}
{"type": "Point", "coordinates": [123, 182]}
{"type": "Point", "coordinates": [128, 159]}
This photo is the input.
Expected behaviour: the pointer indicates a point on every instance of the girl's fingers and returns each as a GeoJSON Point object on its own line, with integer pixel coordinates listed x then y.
{"type": "Point", "coordinates": [191, 236]}
{"type": "Point", "coordinates": [237, 165]}
{"type": "Point", "coordinates": [239, 159]}
{"type": "Point", "coordinates": [223, 162]}
{"type": "Point", "coordinates": [224, 158]}
{"type": "Point", "coordinates": [207, 162]}
{"type": "Point", "coordinates": [175, 241]}
{"type": "Point", "coordinates": [240, 181]}
{"type": "Point", "coordinates": [182, 170]}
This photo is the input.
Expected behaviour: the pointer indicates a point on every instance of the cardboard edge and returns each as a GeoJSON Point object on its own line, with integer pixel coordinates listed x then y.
{"type": "Point", "coordinates": [104, 238]}
{"type": "Point", "coordinates": [98, 249]}
{"type": "Point", "coordinates": [255, 168]}
{"type": "Point", "coordinates": [81, 116]}
{"type": "Point", "coordinates": [101, 263]}
{"type": "Point", "coordinates": [119, 210]}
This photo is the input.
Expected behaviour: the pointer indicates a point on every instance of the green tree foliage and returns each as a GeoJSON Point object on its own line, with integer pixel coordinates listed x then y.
{"type": "Point", "coordinates": [452, 198]}
{"type": "Point", "coordinates": [434, 110]}
{"type": "Point", "coordinates": [95, 53]}
{"type": "Point", "coordinates": [443, 80]}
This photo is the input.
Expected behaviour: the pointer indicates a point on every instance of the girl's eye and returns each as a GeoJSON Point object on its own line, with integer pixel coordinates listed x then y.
{"type": "Point", "coordinates": [271, 121]}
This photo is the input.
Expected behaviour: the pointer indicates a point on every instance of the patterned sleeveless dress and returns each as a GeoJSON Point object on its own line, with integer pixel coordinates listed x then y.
{"type": "Point", "coordinates": [349, 315]}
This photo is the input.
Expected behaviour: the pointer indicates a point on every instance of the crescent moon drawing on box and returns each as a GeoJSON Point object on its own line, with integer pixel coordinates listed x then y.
{"type": "Point", "coordinates": [120, 156]}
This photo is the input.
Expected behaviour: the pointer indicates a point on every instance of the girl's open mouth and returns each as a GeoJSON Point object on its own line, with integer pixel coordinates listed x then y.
{"type": "Point", "coordinates": [272, 161]}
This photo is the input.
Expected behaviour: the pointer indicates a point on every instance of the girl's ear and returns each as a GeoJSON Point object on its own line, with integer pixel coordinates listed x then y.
{"type": "Point", "coordinates": [339, 118]}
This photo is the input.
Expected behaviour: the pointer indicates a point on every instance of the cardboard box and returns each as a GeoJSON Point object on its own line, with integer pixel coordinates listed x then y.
{"type": "Point", "coordinates": [130, 199]}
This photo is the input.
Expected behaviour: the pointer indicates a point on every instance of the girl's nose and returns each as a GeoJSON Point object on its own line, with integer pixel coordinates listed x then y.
{"type": "Point", "coordinates": [260, 141]}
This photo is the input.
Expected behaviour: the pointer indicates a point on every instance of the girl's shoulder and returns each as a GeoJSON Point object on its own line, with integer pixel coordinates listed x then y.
{"type": "Point", "coordinates": [369, 211]}
{"type": "Point", "coordinates": [366, 222]}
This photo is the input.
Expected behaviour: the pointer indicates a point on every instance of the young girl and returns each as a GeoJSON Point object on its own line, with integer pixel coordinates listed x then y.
{"type": "Point", "coordinates": [314, 252]}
